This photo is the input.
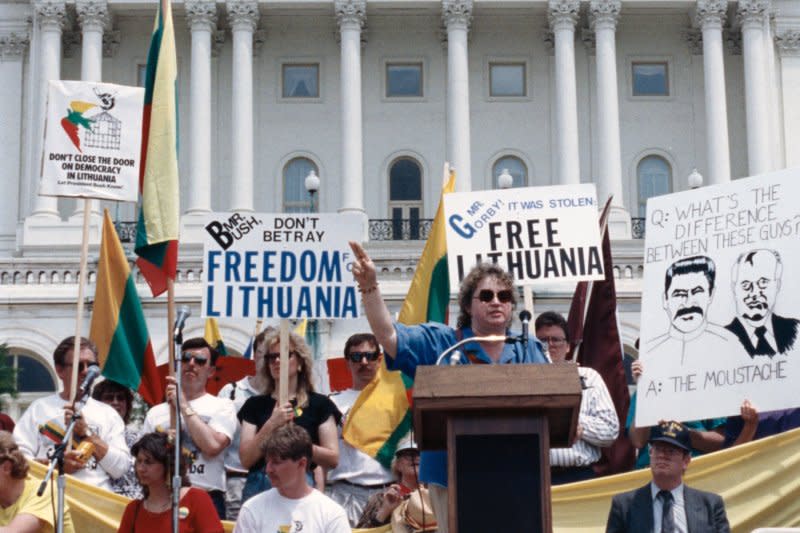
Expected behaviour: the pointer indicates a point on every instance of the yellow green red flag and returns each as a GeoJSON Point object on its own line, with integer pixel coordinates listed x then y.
{"type": "Point", "coordinates": [213, 337]}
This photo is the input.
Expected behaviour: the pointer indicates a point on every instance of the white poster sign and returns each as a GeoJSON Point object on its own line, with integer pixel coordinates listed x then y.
{"type": "Point", "coordinates": [92, 143]}
{"type": "Point", "coordinates": [280, 265]}
{"type": "Point", "coordinates": [719, 301]}
{"type": "Point", "coordinates": [540, 235]}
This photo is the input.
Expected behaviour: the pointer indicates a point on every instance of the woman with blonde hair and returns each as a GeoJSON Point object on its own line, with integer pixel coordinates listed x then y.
{"type": "Point", "coordinates": [21, 510]}
{"type": "Point", "coordinates": [261, 415]}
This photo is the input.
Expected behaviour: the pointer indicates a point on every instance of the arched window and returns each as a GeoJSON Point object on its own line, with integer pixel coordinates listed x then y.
{"type": "Point", "coordinates": [515, 167]}
{"type": "Point", "coordinates": [405, 198]}
{"type": "Point", "coordinates": [295, 197]}
{"type": "Point", "coordinates": [31, 373]}
{"type": "Point", "coordinates": [654, 176]}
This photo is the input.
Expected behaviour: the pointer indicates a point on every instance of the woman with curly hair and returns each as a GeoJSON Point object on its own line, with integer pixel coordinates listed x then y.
{"type": "Point", "coordinates": [261, 415]}
{"type": "Point", "coordinates": [21, 510]}
{"type": "Point", "coordinates": [154, 456]}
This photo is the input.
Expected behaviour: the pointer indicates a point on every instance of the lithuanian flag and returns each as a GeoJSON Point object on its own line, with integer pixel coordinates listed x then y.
{"type": "Point", "coordinates": [118, 327]}
{"type": "Point", "coordinates": [213, 337]}
{"type": "Point", "coordinates": [381, 415]}
{"type": "Point", "coordinates": [159, 210]}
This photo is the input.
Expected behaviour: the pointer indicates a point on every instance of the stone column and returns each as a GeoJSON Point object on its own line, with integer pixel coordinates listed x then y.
{"type": "Point", "coordinates": [351, 16]}
{"type": "Point", "coordinates": [13, 45]}
{"type": "Point", "coordinates": [605, 14]}
{"type": "Point", "coordinates": [93, 18]}
{"type": "Point", "coordinates": [243, 16]}
{"type": "Point", "coordinates": [51, 15]}
{"type": "Point", "coordinates": [202, 19]}
{"type": "Point", "coordinates": [788, 41]}
{"type": "Point", "coordinates": [563, 15]}
{"type": "Point", "coordinates": [752, 14]}
{"type": "Point", "coordinates": [457, 15]}
{"type": "Point", "coordinates": [710, 18]}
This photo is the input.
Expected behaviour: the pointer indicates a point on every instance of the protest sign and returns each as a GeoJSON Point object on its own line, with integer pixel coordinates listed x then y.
{"type": "Point", "coordinates": [92, 145]}
{"type": "Point", "coordinates": [258, 265]}
{"type": "Point", "coordinates": [540, 235]}
{"type": "Point", "coordinates": [719, 300]}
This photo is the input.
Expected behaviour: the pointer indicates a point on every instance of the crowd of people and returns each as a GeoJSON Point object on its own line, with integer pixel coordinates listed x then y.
{"type": "Point", "coordinates": [272, 466]}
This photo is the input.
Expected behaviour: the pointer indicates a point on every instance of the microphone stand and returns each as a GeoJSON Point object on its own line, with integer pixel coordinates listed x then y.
{"type": "Point", "coordinates": [56, 458]}
{"type": "Point", "coordinates": [176, 474]}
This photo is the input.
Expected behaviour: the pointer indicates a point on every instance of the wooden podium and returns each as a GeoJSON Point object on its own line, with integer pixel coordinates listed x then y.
{"type": "Point", "coordinates": [497, 423]}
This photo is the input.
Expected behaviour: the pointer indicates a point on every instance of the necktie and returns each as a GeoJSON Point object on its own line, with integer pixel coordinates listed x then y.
{"type": "Point", "coordinates": [763, 347]}
{"type": "Point", "coordinates": [667, 520]}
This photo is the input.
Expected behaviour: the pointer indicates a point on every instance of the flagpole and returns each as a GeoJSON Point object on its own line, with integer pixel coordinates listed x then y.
{"type": "Point", "coordinates": [76, 351]}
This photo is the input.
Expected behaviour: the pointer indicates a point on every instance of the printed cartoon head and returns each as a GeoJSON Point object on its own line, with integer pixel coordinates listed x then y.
{"type": "Point", "coordinates": [688, 292]}
{"type": "Point", "coordinates": [756, 280]}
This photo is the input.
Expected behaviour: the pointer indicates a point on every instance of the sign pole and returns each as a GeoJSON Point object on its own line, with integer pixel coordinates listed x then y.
{"type": "Point", "coordinates": [76, 352]}
{"type": "Point", "coordinates": [283, 381]}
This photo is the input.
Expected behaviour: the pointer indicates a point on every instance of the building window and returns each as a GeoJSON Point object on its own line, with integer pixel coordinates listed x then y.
{"type": "Point", "coordinates": [507, 79]}
{"type": "Point", "coordinates": [650, 79]}
{"type": "Point", "coordinates": [405, 198]}
{"type": "Point", "coordinates": [32, 375]}
{"type": "Point", "coordinates": [515, 167]}
{"type": "Point", "coordinates": [403, 79]}
{"type": "Point", "coordinates": [295, 197]}
{"type": "Point", "coordinates": [301, 80]}
{"type": "Point", "coordinates": [654, 176]}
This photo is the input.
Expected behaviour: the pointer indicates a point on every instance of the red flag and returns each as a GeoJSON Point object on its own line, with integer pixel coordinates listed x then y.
{"type": "Point", "coordinates": [593, 325]}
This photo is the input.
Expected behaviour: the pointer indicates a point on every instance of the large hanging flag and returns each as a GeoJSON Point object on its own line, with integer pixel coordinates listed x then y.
{"type": "Point", "coordinates": [159, 219]}
{"type": "Point", "coordinates": [381, 415]}
{"type": "Point", "coordinates": [118, 327]}
{"type": "Point", "coordinates": [213, 337]}
{"type": "Point", "coordinates": [594, 329]}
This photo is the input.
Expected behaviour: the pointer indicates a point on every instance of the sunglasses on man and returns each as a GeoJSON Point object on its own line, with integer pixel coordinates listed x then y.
{"type": "Point", "coordinates": [199, 360]}
{"type": "Point", "coordinates": [487, 295]}
{"type": "Point", "coordinates": [356, 357]}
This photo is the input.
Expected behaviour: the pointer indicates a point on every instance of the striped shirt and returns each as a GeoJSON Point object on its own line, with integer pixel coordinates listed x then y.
{"type": "Point", "coordinates": [597, 417]}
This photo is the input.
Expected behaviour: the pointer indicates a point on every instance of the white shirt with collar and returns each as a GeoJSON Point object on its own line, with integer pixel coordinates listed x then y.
{"type": "Point", "coordinates": [678, 508]}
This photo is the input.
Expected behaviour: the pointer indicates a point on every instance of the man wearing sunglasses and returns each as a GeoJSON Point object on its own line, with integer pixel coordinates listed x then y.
{"type": "Point", "coordinates": [486, 301]}
{"type": "Point", "coordinates": [357, 476]}
{"type": "Point", "coordinates": [46, 419]}
{"type": "Point", "coordinates": [208, 423]}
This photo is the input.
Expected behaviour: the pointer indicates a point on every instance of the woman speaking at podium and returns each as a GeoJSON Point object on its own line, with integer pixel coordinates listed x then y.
{"type": "Point", "coordinates": [486, 301]}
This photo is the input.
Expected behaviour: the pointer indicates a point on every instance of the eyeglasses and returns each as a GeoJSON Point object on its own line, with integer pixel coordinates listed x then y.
{"type": "Point", "coordinates": [553, 341]}
{"type": "Point", "coordinates": [356, 357]}
{"type": "Point", "coordinates": [487, 295]}
{"type": "Point", "coordinates": [199, 360]}
{"type": "Point", "coordinates": [113, 397]}
{"type": "Point", "coordinates": [272, 357]}
{"type": "Point", "coordinates": [82, 365]}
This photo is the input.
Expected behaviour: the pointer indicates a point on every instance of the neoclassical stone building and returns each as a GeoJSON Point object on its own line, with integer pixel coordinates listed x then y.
{"type": "Point", "coordinates": [373, 97]}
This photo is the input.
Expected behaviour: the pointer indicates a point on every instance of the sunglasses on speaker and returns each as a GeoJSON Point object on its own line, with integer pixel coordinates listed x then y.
{"type": "Point", "coordinates": [199, 360]}
{"type": "Point", "coordinates": [356, 357]}
{"type": "Point", "coordinates": [487, 295]}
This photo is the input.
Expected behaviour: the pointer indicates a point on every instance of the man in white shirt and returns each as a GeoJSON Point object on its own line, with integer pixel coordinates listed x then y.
{"type": "Point", "coordinates": [598, 425]}
{"type": "Point", "coordinates": [666, 504]}
{"type": "Point", "coordinates": [238, 392]}
{"type": "Point", "coordinates": [208, 423]}
{"type": "Point", "coordinates": [291, 505]}
{"type": "Point", "coordinates": [358, 475]}
{"type": "Point", "coordinates": [44, 422]}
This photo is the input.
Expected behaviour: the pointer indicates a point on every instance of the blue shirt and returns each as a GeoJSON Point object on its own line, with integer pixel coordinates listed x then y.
{"type": "Point", "coordinates": [422, 345]}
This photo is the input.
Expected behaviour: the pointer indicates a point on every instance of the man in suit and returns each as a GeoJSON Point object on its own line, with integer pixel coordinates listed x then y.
{"type": "Point", "coordinates": [756, 280]}
{"type": "Point", "coordinates": [666, 505]}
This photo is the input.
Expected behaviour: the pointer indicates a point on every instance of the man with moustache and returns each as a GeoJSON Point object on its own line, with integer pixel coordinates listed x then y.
{"type": "Point", "coordinates": [688, 293]}
{"type": "Point", "coordinates": [357, 476]}
{"type": "Point", "coordinates": [756, 282]}
{"type": "Point", "coordinates": [665, 504]}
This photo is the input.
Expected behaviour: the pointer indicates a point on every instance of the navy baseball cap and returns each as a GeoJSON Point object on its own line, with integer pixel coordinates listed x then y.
{"type": "Point", "coordinates": [673, 433]}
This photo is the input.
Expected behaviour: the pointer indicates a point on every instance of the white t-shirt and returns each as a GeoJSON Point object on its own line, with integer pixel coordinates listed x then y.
{"type": "Point", "coordinates": [269, 511]}
{"type": "Point", "coordinates": [102, 420]}
{"type": "Point", "coordinates": [354, 465]}
{"type": "Point", "coordinates": [207, 473]}
{"type": "Point", "coordinates": [241, 391]}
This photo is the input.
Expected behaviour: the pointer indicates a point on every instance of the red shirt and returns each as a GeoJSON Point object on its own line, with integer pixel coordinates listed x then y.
{"type": "Point", "coordinates": [196, 515]}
